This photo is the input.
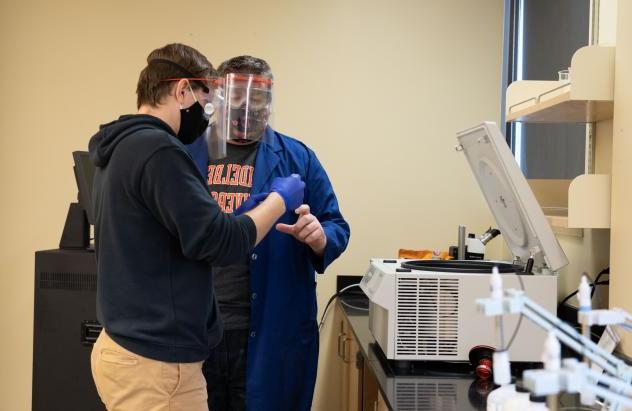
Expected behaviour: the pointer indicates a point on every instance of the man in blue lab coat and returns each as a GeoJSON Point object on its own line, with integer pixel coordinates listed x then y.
{"type": "Point", "coordinates": [268, 357]}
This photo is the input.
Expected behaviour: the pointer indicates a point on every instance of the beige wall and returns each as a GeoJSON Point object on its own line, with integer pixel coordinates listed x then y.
{"type": "Point", "coordinates": [607, 22]}
{"type": "Point", "coordinates": [377, 88]}
{"type": "Point", "coordinates": [590, 252]}
{"type": "Point", "coordinates": [621, 232]}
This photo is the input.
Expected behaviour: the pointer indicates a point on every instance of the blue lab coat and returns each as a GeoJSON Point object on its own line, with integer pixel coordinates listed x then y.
{"type": "Point", "coordinates": [283, 342]}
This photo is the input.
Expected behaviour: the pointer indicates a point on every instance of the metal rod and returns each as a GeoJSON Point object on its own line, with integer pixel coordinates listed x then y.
{"type": "Point", "coordinates": [586, 334]}
{"type": "Point", "coordinates": [590, 159]}
{"type": "Point", "coordinates": [570, 331]}
{"type": "Point", "coordinates": [612, 397]}
{"type": "Point", "coordinates": [587, 342]}
{"type": "Point", "coordinates": [575, 345]}
{"type": "Point", "coordinates": [593, 37]}
{"type": "Point", "coordinates": [461, 251]}
{"type": "Point", "coordinates": [612, 382]}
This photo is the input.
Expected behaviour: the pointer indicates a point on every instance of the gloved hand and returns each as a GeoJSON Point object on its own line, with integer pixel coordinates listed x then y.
{"type": "Point", "coordinates": [251, 203]}
{"type": "Point", "coordinates": [291, 189]}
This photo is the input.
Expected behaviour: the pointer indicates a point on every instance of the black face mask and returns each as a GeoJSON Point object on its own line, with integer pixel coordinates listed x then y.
{"type": "Point", "coordinates": [193, 122]}
{"type": "Point", "coordinates": [252, 129]}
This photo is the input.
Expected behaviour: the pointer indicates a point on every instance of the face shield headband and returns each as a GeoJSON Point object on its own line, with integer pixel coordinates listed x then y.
{"type": "Point", "coordinates": [203, 82]}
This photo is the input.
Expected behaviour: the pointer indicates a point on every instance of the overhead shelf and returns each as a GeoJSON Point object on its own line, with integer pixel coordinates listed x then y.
{"type": "Point", "coordinates": [589, 201]}
{"type": "Point", "coordinates": [572, 205]}
{"type": "Point", "coordinates": [558, 220]}
{"type": "Point", "coordinates": [587, 97]}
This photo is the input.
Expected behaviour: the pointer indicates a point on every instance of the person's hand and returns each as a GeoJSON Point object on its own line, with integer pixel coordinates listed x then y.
{"type": "Point", "coordinates": [252, 201]}
{"type": "Point", "coordinates": [307, 229]}
{"type": "Point", "coordinates": [291, 189]}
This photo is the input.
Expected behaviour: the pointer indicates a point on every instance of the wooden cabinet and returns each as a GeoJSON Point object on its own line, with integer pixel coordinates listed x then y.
{"type": "Point", "coordinates": [370, 390]}
{"type": "Point", "coordinates": [349, 354]}
{"type": "Point", "coordinates": [381, 404]}
{"type": "Point", "coordinates": [347, 383]}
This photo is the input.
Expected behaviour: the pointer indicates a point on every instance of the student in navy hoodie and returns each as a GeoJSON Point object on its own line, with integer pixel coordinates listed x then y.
{"type": "Point", "coordinates": [157, 232]}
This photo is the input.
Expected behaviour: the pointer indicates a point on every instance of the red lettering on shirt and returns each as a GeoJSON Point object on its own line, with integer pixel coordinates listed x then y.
{"type": "Point", "coordinates": [234, 178]}
{"type": "Point", "coordinates": [221, 180]}
{"type": "Point", "coordinates": [221, 200]}
{"type": "Point", "coordinates": [231, 175]}
{"type": "Point", "coordinates": [245, 176]}
{"type": "Point", "coordinates": [229, 202]}
{"type": "Point", "coordinates": [229, 169]}
{"type": "Point", "coordinates": [241, 197]}
{"type": "Point", "coordinates": [218, 174]}
{"type": "Point", "coordinates": [211, 171]}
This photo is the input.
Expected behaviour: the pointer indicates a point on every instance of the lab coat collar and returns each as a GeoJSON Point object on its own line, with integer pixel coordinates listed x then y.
{"type": "Point", "coordinates": [267, 159]}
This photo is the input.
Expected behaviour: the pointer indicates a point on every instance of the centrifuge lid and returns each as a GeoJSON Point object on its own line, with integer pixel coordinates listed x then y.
{"type": "Point", "coordinates": [518, 214]}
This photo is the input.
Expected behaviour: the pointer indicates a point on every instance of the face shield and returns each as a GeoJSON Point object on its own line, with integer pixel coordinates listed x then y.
{"type": "Point", "coordinates": [243, 104]}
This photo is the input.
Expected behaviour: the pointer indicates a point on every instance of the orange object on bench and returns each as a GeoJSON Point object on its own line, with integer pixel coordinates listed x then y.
{"type": "Point", "coordinates": [423, 254]}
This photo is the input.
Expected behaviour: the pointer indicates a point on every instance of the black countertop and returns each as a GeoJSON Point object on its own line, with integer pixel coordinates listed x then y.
{"type": "Point", "coordinates": [413, 385]}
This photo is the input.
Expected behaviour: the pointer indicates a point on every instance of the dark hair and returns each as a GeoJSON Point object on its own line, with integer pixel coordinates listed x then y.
{"type": "Point", "coordinates": [171, 61]}
{"type": "Point", "coordinates": [245, 65]}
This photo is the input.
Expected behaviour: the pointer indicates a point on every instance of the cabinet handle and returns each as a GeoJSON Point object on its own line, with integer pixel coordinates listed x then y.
{"type": "Point", "coordinates": [344, 349]}
{"type": "Point", "coordinates": [340, 335]}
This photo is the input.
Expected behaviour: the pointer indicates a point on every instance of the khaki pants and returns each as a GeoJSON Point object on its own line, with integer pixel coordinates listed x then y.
{"type": "Point", "coordinates": [128, 382]}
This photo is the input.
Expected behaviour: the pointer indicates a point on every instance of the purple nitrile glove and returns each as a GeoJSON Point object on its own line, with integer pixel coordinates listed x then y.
{"type": "Point", "coordinates": [251, 203]}
{"type": "Point", "coordinates": [291, 189]}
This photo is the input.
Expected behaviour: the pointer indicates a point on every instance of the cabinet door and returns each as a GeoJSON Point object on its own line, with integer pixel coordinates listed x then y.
{"type": "Point", "coordinates": [339, 385]}
{"type": "Point", "coordinates": [353, 374]}
{"type": "Point", "coordinates": [342, 343]}
{"type": "Point", "coordinates": [328, 394]}
{"type": "Point", "coordinates": [381, 404]}
{"type": "Point", "coordinates": [369, 389]}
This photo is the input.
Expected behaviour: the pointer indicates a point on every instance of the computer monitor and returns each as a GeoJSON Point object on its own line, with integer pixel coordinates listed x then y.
{"type": "Point", "coordinates": [84, 174]}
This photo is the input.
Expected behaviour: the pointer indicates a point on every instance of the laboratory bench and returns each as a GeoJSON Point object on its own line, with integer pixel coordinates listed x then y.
{"type": "Point", "coordinates": [371, 382]}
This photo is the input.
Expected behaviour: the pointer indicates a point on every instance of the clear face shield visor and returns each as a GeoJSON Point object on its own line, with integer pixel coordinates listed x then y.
{"type": "Point", "coordinates": [243, 104]}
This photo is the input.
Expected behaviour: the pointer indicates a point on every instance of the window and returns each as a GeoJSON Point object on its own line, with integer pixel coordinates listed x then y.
{"type": "Point", "coordinates": [540, 39]}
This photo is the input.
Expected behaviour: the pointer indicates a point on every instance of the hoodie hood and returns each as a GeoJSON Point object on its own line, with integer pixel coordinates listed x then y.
{"type": "Point", "coordinates": [103, 143]}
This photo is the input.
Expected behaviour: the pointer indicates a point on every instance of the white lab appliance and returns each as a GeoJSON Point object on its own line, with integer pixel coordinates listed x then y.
{"type": "Point", "coordinates": [425, 309]}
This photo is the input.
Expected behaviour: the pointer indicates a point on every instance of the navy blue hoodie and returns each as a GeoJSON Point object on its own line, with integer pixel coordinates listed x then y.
{"type": "Point", "coordinates": [157, 232]}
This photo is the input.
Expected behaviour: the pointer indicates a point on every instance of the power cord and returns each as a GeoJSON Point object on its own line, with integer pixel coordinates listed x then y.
{"type": "Point", "coordinates": [515, 333]}
{"type": "Point", "coordinates": [605, 271]}
{"type": "Point", "coordinates": [355, 307]}
{"type": "Point", "coordinates": [593, 285]}
{"type": "Point", "coordinates": [574, 293]}
{"type": "Point", "coordinates": [331, 299]}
